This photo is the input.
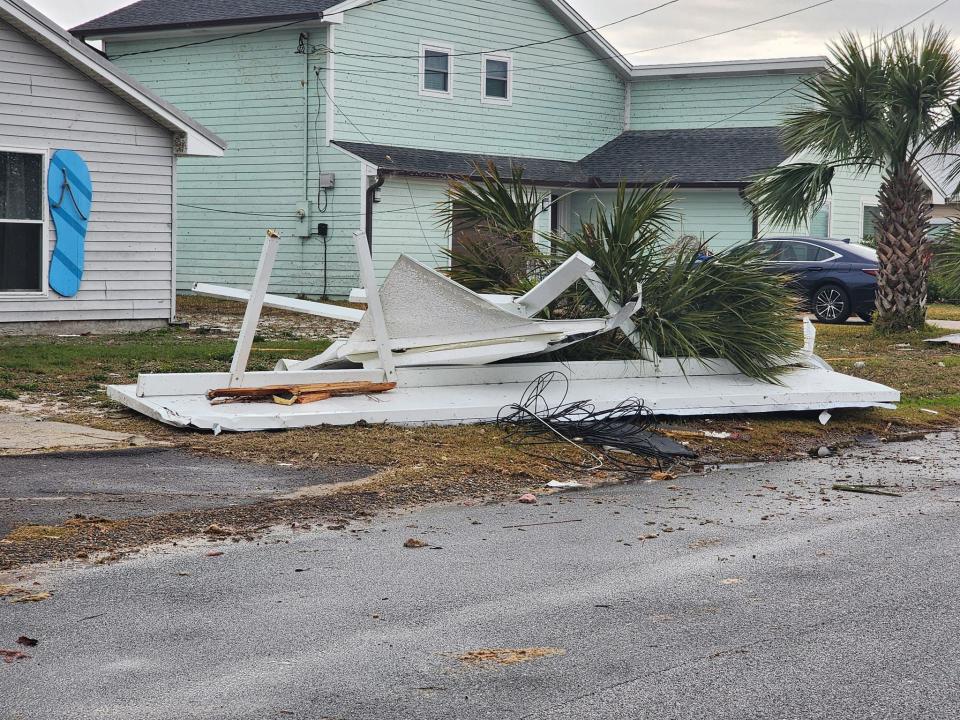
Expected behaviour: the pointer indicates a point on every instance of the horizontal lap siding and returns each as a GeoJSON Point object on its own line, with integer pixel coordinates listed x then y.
{"type": "Point", "coordinates": [250, 91]}
{"type": "Point", "coordinates": [560, 112]}
{"type": "Point", "coordinates": [406, 222]}
{"type": "Point", "coordinates": [718, 216]}
{"type": "Point", "coordinates": [46, 104]}
{"type": "Point", "coordinates": [745, 101]}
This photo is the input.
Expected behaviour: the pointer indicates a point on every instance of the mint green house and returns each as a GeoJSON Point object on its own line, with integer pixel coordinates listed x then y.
{"type": "Point", "coordinates": [352, 114]}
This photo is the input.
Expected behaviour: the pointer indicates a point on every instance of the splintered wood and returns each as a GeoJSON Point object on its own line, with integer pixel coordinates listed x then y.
{"type": "Point", "coordinates": [296, 394]}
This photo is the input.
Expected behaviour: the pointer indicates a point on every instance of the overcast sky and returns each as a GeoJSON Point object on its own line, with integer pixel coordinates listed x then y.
{"type": "Point", "coordinates": [802, 34]}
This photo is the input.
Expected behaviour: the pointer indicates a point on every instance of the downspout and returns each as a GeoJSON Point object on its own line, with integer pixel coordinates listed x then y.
{"type": "Point", "coordinates": [306, 118]}
{"type": "Point", "coordinates": [755, 215]}
{"type": "Point", "coordinates": [371, 194]}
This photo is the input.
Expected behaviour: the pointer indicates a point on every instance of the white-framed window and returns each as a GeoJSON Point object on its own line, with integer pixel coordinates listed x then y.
{"type": "Point", "coordinates": [869, 218]}
{"type": "Point", "coordinates": [23, 223]}
{"type": "Point", "coordinates": [436, 70]}
{"type": "Point", "coordinates": [496, 79]}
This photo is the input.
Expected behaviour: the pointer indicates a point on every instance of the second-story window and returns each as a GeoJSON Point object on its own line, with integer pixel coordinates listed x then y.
{"type": "Point", "coordinates": [497, 78]}
{"type": "Point", "coordinates": [436, 67]}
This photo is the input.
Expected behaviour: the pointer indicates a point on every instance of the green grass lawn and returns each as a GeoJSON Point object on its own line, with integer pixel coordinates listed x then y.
{"type": "Point", "coordinates": [73, 368]}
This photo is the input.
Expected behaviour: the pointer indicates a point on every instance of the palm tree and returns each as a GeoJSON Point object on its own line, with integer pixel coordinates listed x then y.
{"type": "Point", "coordinates": [883, 106]}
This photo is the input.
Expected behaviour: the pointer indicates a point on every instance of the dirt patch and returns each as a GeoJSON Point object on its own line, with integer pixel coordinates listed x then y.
{"type": "Point", "coordinates": [225, 317]}
{"type": "Point", "coordinates": [508, 656]}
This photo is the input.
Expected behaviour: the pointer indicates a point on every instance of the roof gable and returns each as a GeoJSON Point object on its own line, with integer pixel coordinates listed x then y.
{"type": "Point", "coordinates": [25, 19]}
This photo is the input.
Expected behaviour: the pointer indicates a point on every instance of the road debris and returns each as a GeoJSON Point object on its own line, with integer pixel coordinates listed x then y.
{"type": "Point", "coordinates": [866, 489]}
{"type": "Point", "coordinates": [661, 476]}
{"type": "Point", "coordinates": [414, 544]}
{"type": "Point", "coordinates": [508, 656]}
{"type": "Point", "coordinates": [731, 581]}
{"type": "Point", "coordinates": [27, 641]}
{"type": "Point", "coordinates": [215, 553]}
{"type": "Point", "coordinates": [953, 339]}
{"type": "Point", "coordinates": [565, 485]}
{"type": "Point", "coordinates": [825, 417]}
{"type": "Point", "coordinates": [296, 394]}
{"type": "Point", "coordinates": [11, 656]}
{"type": "Point", "coordinates": [527, 499]}
{"type": "Point", "coordinates": [548, 522]}
{"type": "Point", "coordinates": [620, 438]}
{"type": "Point", "coordinates": [31, 598]}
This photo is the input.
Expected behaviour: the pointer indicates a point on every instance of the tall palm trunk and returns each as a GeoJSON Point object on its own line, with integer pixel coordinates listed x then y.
{"type": "Point", "coordinates": [902, 248]}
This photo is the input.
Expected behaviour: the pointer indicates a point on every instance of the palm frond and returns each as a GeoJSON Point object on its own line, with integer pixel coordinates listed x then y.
{"type": "Point", "coordinates": [506, 207]}
{"type": "Point", "coordinates": [947, 263]}
{"type": "Point", "coordinates": [789, 193]}
{"type": "Point", "coordinates": [623, 239]}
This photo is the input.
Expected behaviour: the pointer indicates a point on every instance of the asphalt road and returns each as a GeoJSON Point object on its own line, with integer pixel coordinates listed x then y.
{"type": "Point", "coordinates": [765, 594]}
{"type": "Point", "coordinates": [48, 489]}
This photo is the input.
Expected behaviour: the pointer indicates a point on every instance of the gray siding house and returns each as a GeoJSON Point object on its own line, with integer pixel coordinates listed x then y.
{"type": "Point", "coordinates": [58, 94]}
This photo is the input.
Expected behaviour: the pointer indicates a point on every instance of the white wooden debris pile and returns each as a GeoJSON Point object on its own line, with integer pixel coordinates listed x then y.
{"type": "Point", "coordinates": [459, 357]}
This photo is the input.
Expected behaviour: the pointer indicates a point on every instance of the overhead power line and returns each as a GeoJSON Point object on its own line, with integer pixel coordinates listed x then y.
{"type": "Point", "coordinates": [521, 46]}
{"type": "Point", "coordinates": [598, 58]}
{"type": "Point", "coordinates": [319, 16]}
{"type": "Point", "coordinates": [790, 89]}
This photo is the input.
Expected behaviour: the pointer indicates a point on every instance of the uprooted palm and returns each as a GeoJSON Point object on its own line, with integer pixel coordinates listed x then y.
{"type": "Point", "coordinates": [884, 106]}
{"type": "Point", "coordinates": [727, 308]}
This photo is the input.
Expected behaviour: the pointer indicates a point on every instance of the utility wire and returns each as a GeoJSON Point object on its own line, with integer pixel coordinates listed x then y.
{"type": "Point", "coordinates": [212, 40]}
{"type": "Point", "coordinates": [536, 43]}
{"type": "Point", "coordinates": [599, 58]}
{"type": "Point", "coordinates": [798, 84]}
{"type": "Point", "coordinates": [319, 16]}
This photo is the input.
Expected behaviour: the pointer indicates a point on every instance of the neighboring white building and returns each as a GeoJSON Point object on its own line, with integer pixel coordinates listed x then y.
{"type": "Point", "coordinates": [56, 93]}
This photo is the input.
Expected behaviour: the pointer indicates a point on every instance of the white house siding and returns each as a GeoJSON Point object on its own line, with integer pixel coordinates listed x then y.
{"type": "Point", "coordinates": [45, 104]}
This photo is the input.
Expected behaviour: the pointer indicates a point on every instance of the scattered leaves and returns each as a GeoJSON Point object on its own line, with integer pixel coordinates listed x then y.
{"type": "Point", "coordinates": [508, 656]}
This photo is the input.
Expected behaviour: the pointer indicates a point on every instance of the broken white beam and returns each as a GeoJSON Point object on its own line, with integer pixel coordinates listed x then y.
{"type": "Point", "coordinates": [603, 294]}
{"type": "Point", "coordinates": [368, 279]}
{"type": "Point", "coordinates": [251, 317]}
{"type": "Point", "coordinates": [555, 284]}
{"type": "Point", "coordinates": [279, 302]}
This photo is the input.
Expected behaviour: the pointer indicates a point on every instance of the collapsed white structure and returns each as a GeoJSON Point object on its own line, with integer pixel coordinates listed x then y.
{"type": "Point", "coordinates": [454, 356]}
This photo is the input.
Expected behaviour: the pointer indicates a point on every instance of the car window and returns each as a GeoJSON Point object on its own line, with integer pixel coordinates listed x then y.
{"type": "Point", "coordinates": [768, 250]}
{"type": "Point", "coordinates": [803, 252]}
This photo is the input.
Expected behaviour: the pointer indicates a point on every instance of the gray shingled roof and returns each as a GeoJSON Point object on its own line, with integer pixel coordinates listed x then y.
{"type": "Point", "coordinates": [169, 14]}
{"type": "Point", "coordinates": [724, 157]}
{"type": "Point", "coordinates": [712, 156]}
{"type": "Point", "coordinates": [414, 162]}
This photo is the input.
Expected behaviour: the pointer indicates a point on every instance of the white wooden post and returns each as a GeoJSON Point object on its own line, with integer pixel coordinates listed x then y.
{"type": "Point", "coordinates": [368, 279]}
{"type": "Point", "coordinates": [251, 318]}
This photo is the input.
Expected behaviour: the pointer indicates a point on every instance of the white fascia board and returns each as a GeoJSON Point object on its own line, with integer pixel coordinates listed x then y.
{"type": "Point", "coordinates": [575, 22]}
{"type": "Point", "coordinates": [27, 20]}
{"type": "Point", "coordinates": [772, 66]}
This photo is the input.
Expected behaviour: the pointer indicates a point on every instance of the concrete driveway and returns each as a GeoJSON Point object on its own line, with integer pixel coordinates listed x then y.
{"type": "Point", "coordinates": [759, 593]}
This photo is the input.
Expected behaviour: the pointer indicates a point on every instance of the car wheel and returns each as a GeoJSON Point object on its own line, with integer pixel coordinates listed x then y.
{"type": "Point", "coordinates": [831, 304]}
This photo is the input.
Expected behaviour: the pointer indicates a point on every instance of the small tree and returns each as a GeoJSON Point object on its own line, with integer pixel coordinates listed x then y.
{"type": "Point", "coordinates": [880, 106]}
